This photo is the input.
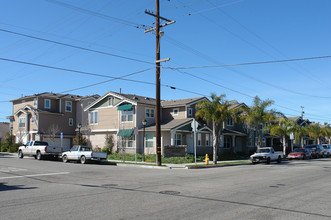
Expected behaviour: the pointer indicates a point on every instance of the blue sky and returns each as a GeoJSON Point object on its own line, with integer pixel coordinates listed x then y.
{"type": "Point", "coordinates": [206, 33]}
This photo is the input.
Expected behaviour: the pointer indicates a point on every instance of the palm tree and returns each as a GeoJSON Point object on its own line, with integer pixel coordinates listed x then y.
{"type": "Point", "coordinates": [299, 133]}
{"type": "Point", "coordinates": [315, 131]}
{"type": "Point", "coordinates": [326, 131]}
{"type": "Point", "coordinates": [283, 128]}
{"type": "Point", "coordinates": [258, 114]}
{"type": "Point", "coordinates": [215, 112]}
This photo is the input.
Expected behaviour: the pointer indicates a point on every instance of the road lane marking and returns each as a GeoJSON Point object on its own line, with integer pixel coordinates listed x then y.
{"type": "Point", "coordinates": [33, 175]}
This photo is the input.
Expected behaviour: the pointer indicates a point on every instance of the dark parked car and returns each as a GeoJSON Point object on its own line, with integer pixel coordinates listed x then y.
{"type": "Point", "coordinates": [317, 151]}
{"type": "Point", "coordinates": [300, 153]}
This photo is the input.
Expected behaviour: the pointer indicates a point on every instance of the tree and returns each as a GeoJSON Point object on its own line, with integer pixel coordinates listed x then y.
{"type": "Point", "coordinates": [283, 128]}
{"type": "Point", "coordinates": [215, 112]}
{"type": "Point", "coordinates": [315, 131]}
{"type": "Point", "coordinates": [83, 140]}
{"type": "Point", "coordinates": [299, 133]}
{"type": "Point", "coordinates": [326, 132]}
{"type": "Point", "coordinates": [258, 114]}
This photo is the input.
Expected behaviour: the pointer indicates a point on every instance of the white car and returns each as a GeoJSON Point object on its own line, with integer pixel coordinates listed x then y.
{"type": "Point", "coordinates": [266, 154]}
{"type": "Point", "coordinates": [83, 154]}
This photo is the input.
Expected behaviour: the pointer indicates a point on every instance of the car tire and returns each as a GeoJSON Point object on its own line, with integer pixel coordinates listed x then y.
{"type": "Point", "coordinates": [64, 159]}
{"type": "Point", "coordinates": [38, 156]}
{"type": "Point", "coordinates": [268, 160]}
{"type": "Point", "coordinates": [279, 159]}
{"type": "Point", "coordinates": [83, 159]}
{"type": "Point", "coordinates": [20, 154]}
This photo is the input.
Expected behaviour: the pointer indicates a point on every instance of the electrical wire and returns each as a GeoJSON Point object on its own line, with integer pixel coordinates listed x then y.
{"type": "Point", "coordinates": [73, 46]}
{"type": "Point", "coordinates": [253, 63]}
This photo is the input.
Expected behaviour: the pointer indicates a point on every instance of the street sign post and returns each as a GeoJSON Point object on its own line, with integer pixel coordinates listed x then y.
{"type": "Point", "coordinates": [194, 126]}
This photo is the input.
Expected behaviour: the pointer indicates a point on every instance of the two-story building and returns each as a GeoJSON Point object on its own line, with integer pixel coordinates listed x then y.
{"type": "Point", "coordinates": [122, 116]}
{"type": "Point", "coordinates": [46, 115]}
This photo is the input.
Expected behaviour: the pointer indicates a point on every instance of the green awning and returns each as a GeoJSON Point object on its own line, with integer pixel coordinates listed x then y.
{"type": "Point", "coordinates": [124, 107]}
{"type": "Point", "coordinates": [125, 132]}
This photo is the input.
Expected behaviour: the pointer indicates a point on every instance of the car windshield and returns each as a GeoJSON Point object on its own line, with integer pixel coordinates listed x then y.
{"type": "Point", "coordinates": [311, 147]}
{"type": "Point", "coordinates": [40, 143]}
{"type": "Point", "coordinates": [298, 150]}
{"type": "Point", "coordinates": [263, 150]}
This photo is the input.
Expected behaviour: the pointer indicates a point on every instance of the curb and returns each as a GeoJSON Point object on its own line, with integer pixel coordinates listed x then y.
{"type": "Point", "coordinates": [215, 166]}
{"type": "Point", "coordinates": [142, 166]}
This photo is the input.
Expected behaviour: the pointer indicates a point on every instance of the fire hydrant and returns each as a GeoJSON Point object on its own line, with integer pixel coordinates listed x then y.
{"type": "Point", "coordinates": [207, 159]}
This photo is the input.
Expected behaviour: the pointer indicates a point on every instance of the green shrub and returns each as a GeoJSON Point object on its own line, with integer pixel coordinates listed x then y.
{"type": "Point", "coordinates": [3, 147]}
{"type": "Point", "coordinates": [13, 148]}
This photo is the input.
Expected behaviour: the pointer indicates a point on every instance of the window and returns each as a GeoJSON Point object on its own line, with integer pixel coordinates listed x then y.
{"type": "Point", "coordinates": [71, 121]}
{"type": "Point", "coordinates": [111, 101]}
{"type": "Point", "coordinates": [229, 122]}
{"type": "Point", "coordinates": [74, 148]}
{"type": "Point", "coordinates": [176, 111]}
{"type": "Point", "coordinates": [68, 106]}
{"type": "Point", "coordinates": [190, 112]}
{"type": "Point", "coordinates": [227, 142]}
{"type": "Point", "coordinates": [199, 139]}
{"type": "Point", "coordinates": [149, 140]}
{"type": "Point", "coordinates": [93, 117]}
{"type": "Point", "coordinates": [33, 119]}
{"type": "Point", "coordinates": [21, 123]}
{"type": "Point", "coordinates": [47, 103]}
{"type": "Point", "coordinates": [149, 113]}
{"type": "Point", "coordinates": [178, 139]}
{"type": "Point", "coordinates": [207, 140]}
{"type": "Point", "coordinates": [127, 142]}
{"type": "Point", "coordinates": [127, 115]}
{"type": "Point", "coordinates": [35, 101]}
{"type": "Point", "coordinates": [23, 101]}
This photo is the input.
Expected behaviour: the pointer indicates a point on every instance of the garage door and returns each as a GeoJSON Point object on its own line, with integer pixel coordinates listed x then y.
{"type": "Point", "coordinates": [57, 142]}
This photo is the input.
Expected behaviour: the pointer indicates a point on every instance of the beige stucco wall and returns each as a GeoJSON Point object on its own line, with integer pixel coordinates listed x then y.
{"type": "Point", "coordinates": [167, 113]}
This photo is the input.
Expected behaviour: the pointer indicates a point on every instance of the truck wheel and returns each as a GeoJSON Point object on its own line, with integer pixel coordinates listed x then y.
{"type": "Point", "coordinates": [279, 160]}
{"type": "Point", "coordinates": [20, 154]}
{"type": "Point", "coordinates": [83, 159]}
{"type": "Point", "coordinates": [38, 157]}
{"type": "Point", "coordinates": [268, 160]}
{"type": "Point", "coordinates": [65, 158]}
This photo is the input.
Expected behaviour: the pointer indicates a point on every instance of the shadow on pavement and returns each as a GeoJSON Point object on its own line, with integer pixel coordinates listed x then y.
{"type": "Point", "coordinates": [4, 187]}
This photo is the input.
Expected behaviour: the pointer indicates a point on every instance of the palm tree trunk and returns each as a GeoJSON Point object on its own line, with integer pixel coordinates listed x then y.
{"type": "Point", "coordinates": [284, 144]}
{"type": "Point", "coordinates": [214, 144]}
{"type": "Point", "coordinates": [259, 135]}
{"type": "Point", "coordinates": [302, 142]}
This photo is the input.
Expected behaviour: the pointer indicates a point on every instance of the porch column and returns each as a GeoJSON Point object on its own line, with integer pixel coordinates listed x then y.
{"type": "Point", "coordinates": [233, 141]}
{"type": "Point", "coordinates": [173, 133]}
{"type": "Point", "coordinates": [222, 140]}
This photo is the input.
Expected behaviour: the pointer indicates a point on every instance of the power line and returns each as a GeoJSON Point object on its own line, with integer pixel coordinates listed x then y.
{"type": "Point", "coordinates": [253, 63]}
{"type": "Point", "coordinates": [76, 47]}
{"type": "Point", "coordinates": [107, 17]}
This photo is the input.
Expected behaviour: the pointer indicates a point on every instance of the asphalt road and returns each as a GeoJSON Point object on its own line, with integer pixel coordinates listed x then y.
{"type": "Point", "coordinates": [31, 189]}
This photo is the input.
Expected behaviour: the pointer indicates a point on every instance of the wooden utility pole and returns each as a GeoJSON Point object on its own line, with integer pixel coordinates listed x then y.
{"type": "Point", "coordinates": [158, 89]}
{"type": "Point", "coordinates": [157, 76]}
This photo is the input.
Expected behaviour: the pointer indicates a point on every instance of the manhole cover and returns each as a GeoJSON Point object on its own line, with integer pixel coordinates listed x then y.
{"type": "Point", "coordinates": [109, 185]}
{"type": "Point", "coordinates": [170, 192]}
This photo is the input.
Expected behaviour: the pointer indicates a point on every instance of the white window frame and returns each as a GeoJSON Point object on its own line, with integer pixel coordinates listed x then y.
{"type": "Point", "coordinates": [128, 142]}
{"type": "Point", "coordinates": [94, 118]}
{"type": "Point", "coordinates": [45, 106]}
{"type": "Point", "coordinates": [111, 101]}
{"type": "Point", "coordinates": [227, 141]}
{"type": "Point", "coordinates": [207, 139]}
{"type": "Point", "coordinates": [20, 122]}
{"type": "Point", "coordinates": [190, 112]}
{"type": "Point", "coordinates": [35, 101]}
{"type": "Point", "coordinates": [70, 110]}
{"type": "Point", "coordinates": [125, 116]}
{"type": "Point", "coordinates": [149, 112]}
{"type": "Point", "coordinates": [229, 122]}
{"type": "Point", "coordinates": [175, 110]}
{"type": "Point", "coordinates": [71, 122]}
{"type": "Point", "coordinates": [199, 139]}
{"type": "Point", "coordinates": [149, 141]}
{"type": "Point", "coordinates": [178, 139]}
{"type": "Point", "coordinates": [23, 101]}
{"type": "Point", "coordinates": [33, 119]}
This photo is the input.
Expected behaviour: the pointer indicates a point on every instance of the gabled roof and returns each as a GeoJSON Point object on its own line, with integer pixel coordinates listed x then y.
{"type": "Point", "coordinates": [168, 125]}
{"type": "Point", "coordinates": [50, 95]}
{"type": "Point", "coordinates": [181, 102]}
{"type": "Point", "coordinates": [130, 98]}
{"type": "Point", "coordinates": [29, 107]}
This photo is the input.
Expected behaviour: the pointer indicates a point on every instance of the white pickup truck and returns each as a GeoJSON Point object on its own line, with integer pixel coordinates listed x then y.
{"type": "Point", "coordinates": [39, 149]}
{"type": "Point", "coordinates": [266, 154]}
{"type": "Point", "coordinates": [83, 154]}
